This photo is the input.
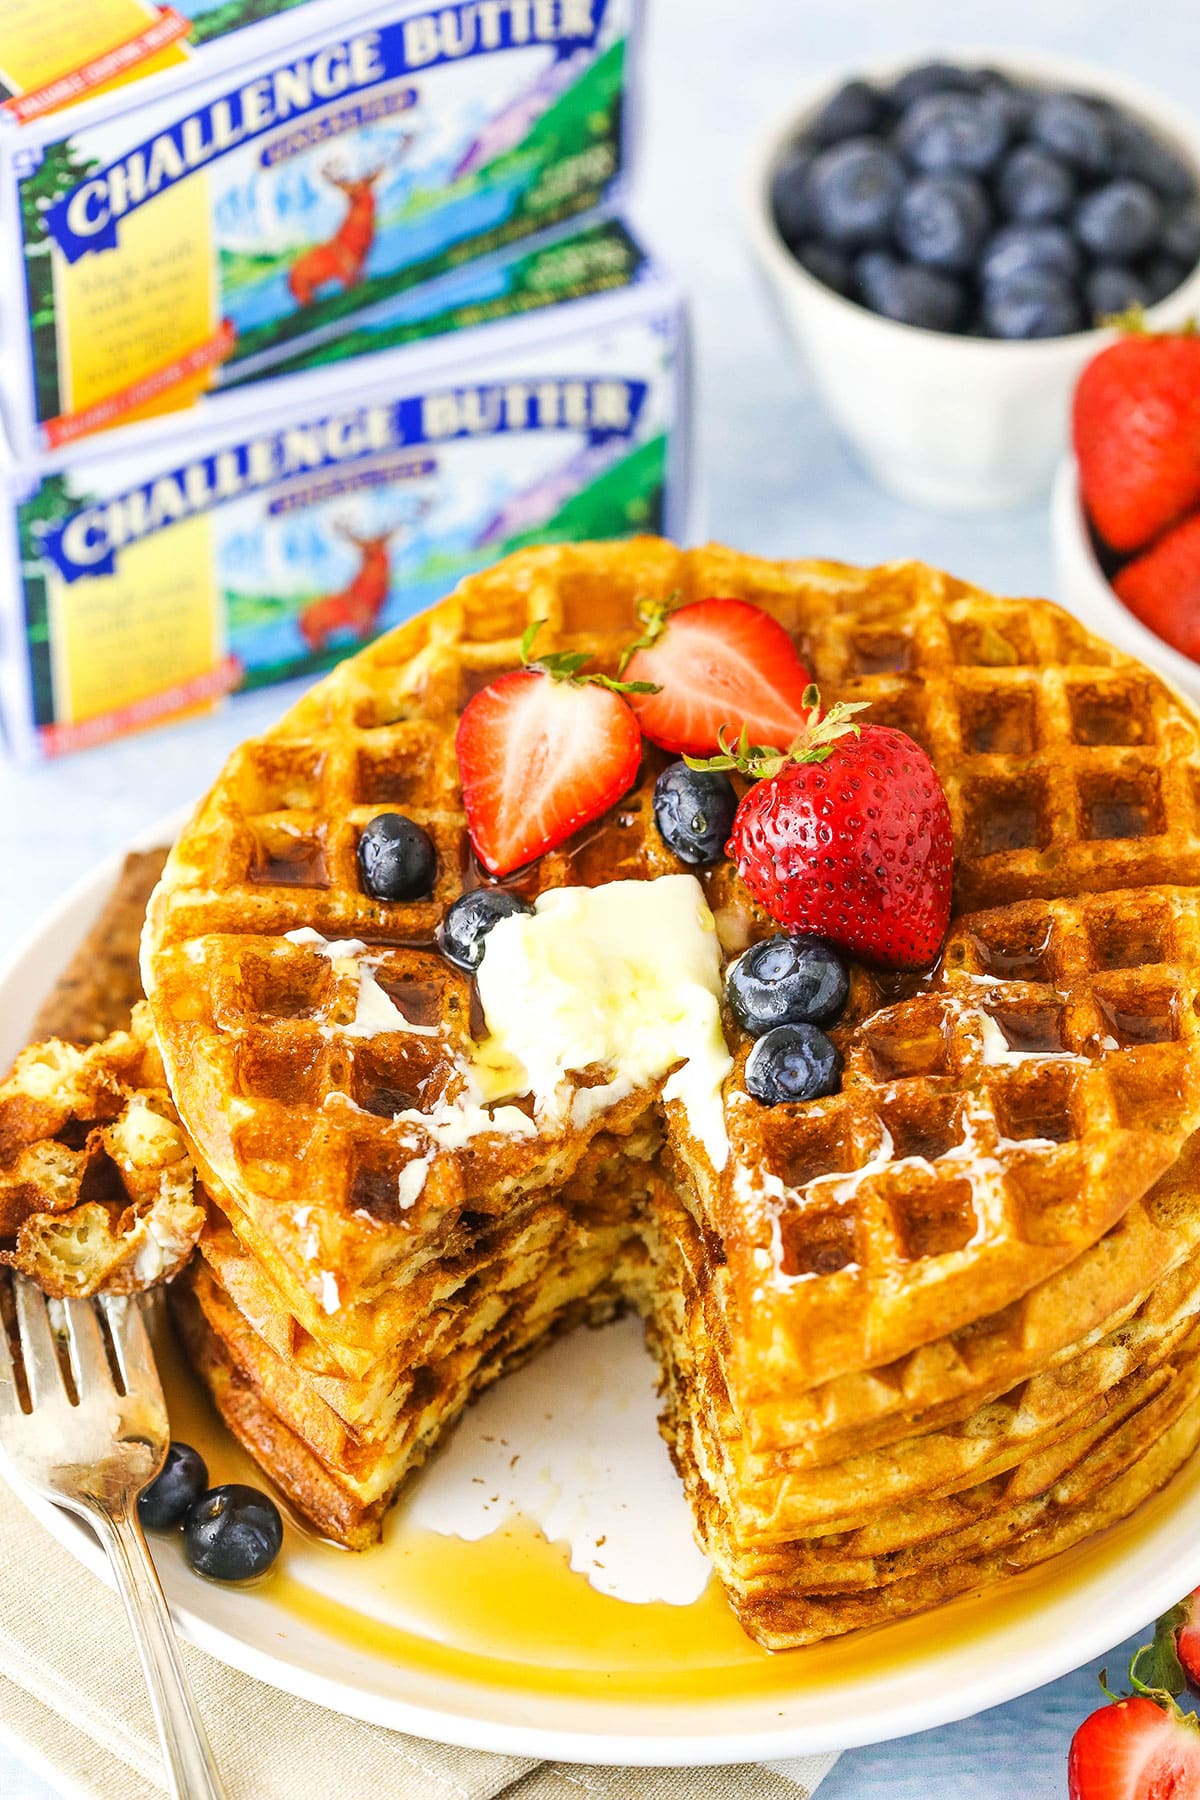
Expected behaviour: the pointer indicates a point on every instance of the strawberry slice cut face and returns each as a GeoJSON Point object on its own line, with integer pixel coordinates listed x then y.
{"type": "Point", "coordinates": [1135, 1750]}
{"type": "Point", "coordinates": [538, 758]}
{"type": "Point", "coordinates": [721, 666]}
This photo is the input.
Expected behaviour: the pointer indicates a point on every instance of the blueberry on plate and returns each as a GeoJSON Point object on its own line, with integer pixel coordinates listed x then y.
{"type": "Point", "coordinates": [787, 981]}
{"type": "Point", "coordinates": [1077, 130]}
{"type": "Point", "coordinates": [908, 293]}
{"type": "Point", "coordinates": [855, 189]}
{"type": "Point", "coordinates": [827, 265]}
{"type": "Point", "coordinates": [1035, 304]}
{"type": "Point", "coordinates": [693, 809]}
{"type": "Point", "coordinates": [233, 1533]}
{"type": "Point", "coordinates": [1120, 221]}
{"type": "Point", "coordinates": [931, 78]}
{"type": "Point", "coordinates": [463, 935]}
{"type": "Point", "coordinates": [1035, 187]}
{"type": "Point", "coordinates": [791, 1063]}
{"type": "Point", "coordinates": [1147, 158]}
{"type": "Point", "coordinates": [1027, 250]}
{"type": "Point", "coordinates": [396, 859]}
{"type": "Point", "coordinates": [952, 131]}
{"type": "Point", "coordinates": [1162, 275]}
{"type": "Point", "coordinates": [790, 194]}
{"type": "Point", "coordinates": [942, 220]}
{"type": "Point", "coordinates": [1113, 288]}
{"type": "Point", "coordinates": [1181, 234]}
{"type": "Point", "coordinates": [178, 1485]}
{"type": "Point", "coordinates": [856, 110]}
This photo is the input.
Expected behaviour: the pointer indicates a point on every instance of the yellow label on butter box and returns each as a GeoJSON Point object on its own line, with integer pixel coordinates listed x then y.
{"type": "Point", "coordinates": [124, 318]}
{"type": "Point", "coordinates": [56, 52]}
{"type": "Point", "coordinates": [153, 624]}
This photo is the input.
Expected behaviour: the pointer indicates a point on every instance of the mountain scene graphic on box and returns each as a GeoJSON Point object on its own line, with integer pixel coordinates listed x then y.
{"type": "Point", "coordinates": [317, 235]}
{"type": "Point", "coordinates": [303, 590]}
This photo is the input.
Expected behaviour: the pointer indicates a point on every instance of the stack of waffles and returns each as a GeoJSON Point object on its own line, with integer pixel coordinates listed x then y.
{"type": "Point", "coordinates": [930, 1329]}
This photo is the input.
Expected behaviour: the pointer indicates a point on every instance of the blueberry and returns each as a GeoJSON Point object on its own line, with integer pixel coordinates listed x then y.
{"type": "Point", "coordinates": [791, 199]}
{"type": "Point", "coordinates": [1034, 187]}
{"type": "Point", "coordinates": [909, 293]}
{"type": "Point", "coordinates": [1013, 105]}
{"type": "Point", "coordinates": [793, 1062]}
{"type": "Point", "coordinates": [693, 809]}
{"type": "Point", "coordinates": [827, 265]}
{"type": "Point", "coordinates": [233, 1533]}
{"type": "Point", "coordinates": [467, 923]}
{"type": "Point", "coordinates": [787, 981]}
{"type": "Point", "coordinates": [855, 188]}
{"type": "Point", "coordinates": [931, 78]}
{"type": "Point", "coordinates": [952, 131]}
{"type": "Point", "coordinates": [942, 220]}
{"type": "Point", "coordinates": [396, 859]}
{"type": "Point", "coordinates": [1029, 249]}
{"type": "Point", "coordinates": [855, 110]}
{"type": "Point", "coordinates": [1035, 304]}
{"type": "Point", "coordinates": [1181, 234]}
{"type": "Point", "coordinates": [178, 1484]}
{"type": "Point", "coordinates": [1113, 288]}
{"type": "Point", "coordinates": [1144, 156]}
{"type": "Point", "coordinates": [1161, 277]}
{"type": "Point", "coordinates": [1078, 131]}
{"type": "Point", "coordinates": [1120, 221]}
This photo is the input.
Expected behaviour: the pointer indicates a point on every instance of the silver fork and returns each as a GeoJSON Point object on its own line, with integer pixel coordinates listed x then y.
{"type": "Point", "coordinates": [89, 1430]}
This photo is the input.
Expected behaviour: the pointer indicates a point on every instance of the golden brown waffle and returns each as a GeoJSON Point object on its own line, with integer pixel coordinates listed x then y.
{"type": "Point", "coordinates": [98, 1189]}
{"type": "Point", "coordinates": [101, 985]}
{"type": "Point", "coordinates": [913, 1334]}
{"type": "Point", "coordinates": [853, 1272]}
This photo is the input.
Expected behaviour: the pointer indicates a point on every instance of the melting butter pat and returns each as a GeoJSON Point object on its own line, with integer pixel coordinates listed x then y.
{"type": "Point", "coordinates": [625, 977]}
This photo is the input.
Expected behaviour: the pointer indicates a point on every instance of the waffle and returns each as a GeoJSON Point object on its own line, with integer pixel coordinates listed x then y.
{"type": "Point", "coordinates": [940, 1324]}
{"type": "Point", "coordinates": [97, 992]}
{"type": "Point", "coordinates": [98, 1189]}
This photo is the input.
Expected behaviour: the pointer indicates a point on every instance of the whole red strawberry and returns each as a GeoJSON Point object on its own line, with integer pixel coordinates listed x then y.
{"type": "Point", "coordinates": [1162, 588]}
{"type": "Point", "coordinates": [1136, 430]}
{"type": "Point", "coordinates": [1186, 1625]}
{"type": "Point", "coordinates": [848, 836]}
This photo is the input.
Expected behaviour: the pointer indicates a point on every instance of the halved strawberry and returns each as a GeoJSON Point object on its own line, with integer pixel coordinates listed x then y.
{"type": "Point", "coordinates": [1135, 1749]}
{"type": "Point", "coordinates": [719, 666]}
{"type": "Point", "coordinates": [542, 751]}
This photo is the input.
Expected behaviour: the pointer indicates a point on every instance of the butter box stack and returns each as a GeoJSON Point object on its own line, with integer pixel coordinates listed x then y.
{"type": "Point", "coordinates": [530, 400]}
{"type": "Point", "coordinates": [185, 223]}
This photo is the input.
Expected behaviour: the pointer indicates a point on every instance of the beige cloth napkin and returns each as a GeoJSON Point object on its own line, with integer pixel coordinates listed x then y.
{"type": "Point", "coordinates": [73, 1705]}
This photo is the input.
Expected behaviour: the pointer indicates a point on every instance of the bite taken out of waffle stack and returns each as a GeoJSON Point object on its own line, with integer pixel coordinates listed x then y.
{"type": "Point", "coordinates": [918, 1333]}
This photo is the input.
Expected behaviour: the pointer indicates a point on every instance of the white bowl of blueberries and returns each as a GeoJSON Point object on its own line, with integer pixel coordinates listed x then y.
{"type": "Point", "coordinates": [945, 241]}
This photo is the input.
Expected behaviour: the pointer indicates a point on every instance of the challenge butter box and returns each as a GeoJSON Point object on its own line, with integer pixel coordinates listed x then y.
{"type": "Point", "coordinates": [147, 576]}
{"type": "Point", "coordinates": [164, 237]}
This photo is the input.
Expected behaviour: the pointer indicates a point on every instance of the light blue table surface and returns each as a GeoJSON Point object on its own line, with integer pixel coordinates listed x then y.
{"type": "Point", "coordinates": [775, 480]}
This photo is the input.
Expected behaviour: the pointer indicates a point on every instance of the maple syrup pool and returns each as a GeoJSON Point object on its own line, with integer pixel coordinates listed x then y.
{"type": "Point", "coordinates": [507, 1611]}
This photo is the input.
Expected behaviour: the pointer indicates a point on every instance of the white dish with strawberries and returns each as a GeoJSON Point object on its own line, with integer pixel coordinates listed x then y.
{"type": "Point", "coordinates": [952, 421]}
{"type": "Point", "coordinates": [1126, 506]}
{"type": "Point", "coordinates": [1085, 590]}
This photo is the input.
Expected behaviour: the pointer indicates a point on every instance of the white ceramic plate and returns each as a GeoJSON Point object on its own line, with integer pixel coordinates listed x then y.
{"type": "Point", "coordinates": [615, 1699]}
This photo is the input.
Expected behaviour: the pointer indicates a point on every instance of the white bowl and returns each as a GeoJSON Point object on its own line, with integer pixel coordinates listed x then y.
{"type": "Point", "coordinates": [1084, 590]}
{"type": "Point", "coordinates": [949, 422]}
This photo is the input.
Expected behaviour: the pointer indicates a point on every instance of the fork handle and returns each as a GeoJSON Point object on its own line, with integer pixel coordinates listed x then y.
{"type": "Point", "coordinates": [191, 1772]}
